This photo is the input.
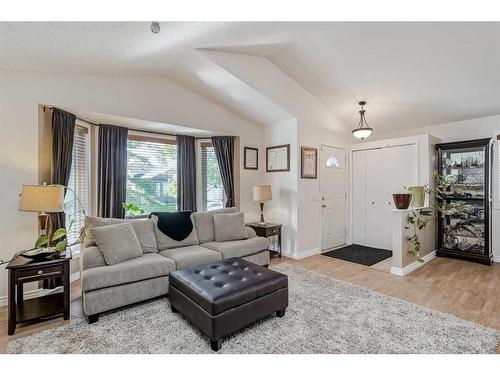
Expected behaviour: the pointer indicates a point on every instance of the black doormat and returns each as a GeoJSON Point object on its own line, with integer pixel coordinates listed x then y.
{"type": "Point", "coordinates": [367, 256]}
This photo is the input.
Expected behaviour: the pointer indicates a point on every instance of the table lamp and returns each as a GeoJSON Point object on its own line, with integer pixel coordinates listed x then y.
{"type": "Point", "coordinates": [262, 193]}
{"type": "Point", "coordinates": [42, 199]}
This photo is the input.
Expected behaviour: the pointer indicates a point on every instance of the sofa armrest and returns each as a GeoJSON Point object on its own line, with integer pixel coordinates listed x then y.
{"type": "Point", "coordinates": [250, 232]}
{"type": "Point", "coordinates": [91, 257]}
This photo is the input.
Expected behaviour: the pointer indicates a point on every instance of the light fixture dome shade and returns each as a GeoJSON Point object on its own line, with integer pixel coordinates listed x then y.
{"type": "Point", "coordinates": [363, 130]}
{"type": "Point", "coordinates": [362, 133]}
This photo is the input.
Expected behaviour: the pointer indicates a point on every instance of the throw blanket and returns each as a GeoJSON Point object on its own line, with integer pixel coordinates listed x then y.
{"type": "Point", "coordinates": [176, 225]}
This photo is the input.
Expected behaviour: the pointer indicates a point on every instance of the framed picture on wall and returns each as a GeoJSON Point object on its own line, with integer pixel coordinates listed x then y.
{"type": "Point", "coordinates": [251, 158]}
{"type": "Point", "coordinates": [309, 162]}
{"type": "Point", "coordinates": [278, 158]}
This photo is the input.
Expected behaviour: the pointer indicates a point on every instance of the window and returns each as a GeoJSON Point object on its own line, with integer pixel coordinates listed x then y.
{"type": "Point", "coordinates": [152, 173]}
{"type": "Point", "coordinates": [79, 183]}
{"type": "Point", "coordinates": [333, 162]}
{"type": "Point", "coordinates": [212, 192]}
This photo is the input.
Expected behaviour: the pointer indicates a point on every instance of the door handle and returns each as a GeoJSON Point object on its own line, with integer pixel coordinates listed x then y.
{"type": "Point", "coordinates": [323, 205]}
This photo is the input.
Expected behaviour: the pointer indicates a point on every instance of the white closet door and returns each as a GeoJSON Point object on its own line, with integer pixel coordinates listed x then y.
{"type": "Point", "coordinates": [375, 186]}
{"type": "Point", "coordinates": [358, 197]}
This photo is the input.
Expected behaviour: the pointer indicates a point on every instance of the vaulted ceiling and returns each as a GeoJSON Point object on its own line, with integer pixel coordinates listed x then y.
{"type": "Point", "coordinates": [411, 74]}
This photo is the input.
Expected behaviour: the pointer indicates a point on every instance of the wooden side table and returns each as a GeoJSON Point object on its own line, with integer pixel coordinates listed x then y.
{"type": "Point", "coordinates": [268, 230]}
{"type": "Point", "coordinates": [23, 270]}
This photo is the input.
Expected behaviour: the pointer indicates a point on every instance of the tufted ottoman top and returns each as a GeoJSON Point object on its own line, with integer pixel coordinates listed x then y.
{"type": "Point", "coordinates": [222, 285]}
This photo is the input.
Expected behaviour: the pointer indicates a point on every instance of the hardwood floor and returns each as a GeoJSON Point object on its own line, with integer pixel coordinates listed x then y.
{"type": "Point", "coordinates": [464, 289]}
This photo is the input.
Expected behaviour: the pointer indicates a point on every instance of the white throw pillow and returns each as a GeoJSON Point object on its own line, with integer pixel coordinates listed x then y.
{"type": "Point", "coordinates": [230, 227]}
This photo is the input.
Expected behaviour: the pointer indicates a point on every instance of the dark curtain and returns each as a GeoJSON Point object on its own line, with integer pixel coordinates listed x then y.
{"type": "Point", "coordinates": [186, 173]}
{"type": "Point", "coordinates": [112, 171]}
{"type": "Point", "coordinates": [63, 130]}
{"type": "Point", "coordinates": [224, 150]}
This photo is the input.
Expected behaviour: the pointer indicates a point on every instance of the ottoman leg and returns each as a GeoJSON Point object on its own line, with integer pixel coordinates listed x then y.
{"type": "Point", "coordinates": [174, 310]}
{"type": "Point", "coordinates": [216, 344]}
{"type": "Point", "coordinates": [280, 313]}
{"type": "Point", "coordinates": [92, 318]}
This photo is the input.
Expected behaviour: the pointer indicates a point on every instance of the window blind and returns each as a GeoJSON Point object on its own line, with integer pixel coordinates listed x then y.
{"type": "Point", "coordinates": [79, 183]}
{"type": "Point", "coordinates": [152, 173]}
{"type": "Point", "coordinates": [212, 192]}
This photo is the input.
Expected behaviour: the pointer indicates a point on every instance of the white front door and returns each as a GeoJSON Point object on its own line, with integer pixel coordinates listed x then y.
{"type": "Point", "coordinates": [332, 174]}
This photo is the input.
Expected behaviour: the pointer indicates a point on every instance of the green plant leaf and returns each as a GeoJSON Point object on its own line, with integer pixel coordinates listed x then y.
{"type": "Point", "coordinates": [58, 234]}
{"type": "Point", "coordinates": [42, 241]}
{"type": "Point", "coordinates": [61, 246]}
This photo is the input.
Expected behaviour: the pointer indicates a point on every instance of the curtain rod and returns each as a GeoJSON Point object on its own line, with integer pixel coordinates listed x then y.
{"type": "Point", "coordinates": [133, 129]}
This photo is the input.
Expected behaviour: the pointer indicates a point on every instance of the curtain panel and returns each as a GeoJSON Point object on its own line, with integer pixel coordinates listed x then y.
{"type": "Point", "coordinates": [112, 171]}
{"type": "Point", "coordinates": [186, 173]}
{"type": "Point", "coordinates": [224, 151]}
{"type": "Point", "coordinates": [63, 130]}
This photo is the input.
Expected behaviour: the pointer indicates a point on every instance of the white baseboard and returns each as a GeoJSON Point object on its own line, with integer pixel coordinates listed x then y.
{"type": "Point", "coordinates": [496, 259]}
{"type": "Point", "coordinates": [302, 254]}
{"type": "Point", "coordinates": [413, 266]}
{"type": "Point", "coordinates": [36, 293]}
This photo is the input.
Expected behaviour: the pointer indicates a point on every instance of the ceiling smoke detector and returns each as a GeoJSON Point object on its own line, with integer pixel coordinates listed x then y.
{"type": "Point", "coordinates": [155, 27]}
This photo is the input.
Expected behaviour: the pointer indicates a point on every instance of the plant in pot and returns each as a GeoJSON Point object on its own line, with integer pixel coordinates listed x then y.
{"type": "Point", "coordinates": [419, 217]}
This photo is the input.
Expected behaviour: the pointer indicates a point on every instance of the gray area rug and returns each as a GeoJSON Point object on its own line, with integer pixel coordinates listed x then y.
{"type": "Point", "coordinates": [325, 316]}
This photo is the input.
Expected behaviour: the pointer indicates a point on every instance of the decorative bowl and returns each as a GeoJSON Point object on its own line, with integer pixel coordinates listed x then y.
{"type": "Point", "coordinates": [402, 200]}
{"type": "Point", "coordinates": [40, 253]}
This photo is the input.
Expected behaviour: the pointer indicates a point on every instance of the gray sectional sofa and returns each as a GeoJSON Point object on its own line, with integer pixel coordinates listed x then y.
{"type": "Point", "coordinates": [106, 287]}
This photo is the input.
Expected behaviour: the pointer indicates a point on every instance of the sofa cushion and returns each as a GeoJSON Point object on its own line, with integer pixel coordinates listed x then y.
{"type": "Point", "coordinates": [143, 228]}
{"type": "Point", "coordinates": [91, 257]}
{"type": "Point", "coordinates": [145, 267]}
{"type": "Point", "coordinates": [165, 242]}
{"type": "Point", "coordinates": [204, 223]}
{"type": "Point", "coordinates": [230, 227]}
{"type": "Point", "coordinates": [239, 248]}
{"type": "Point", "coordinates": [191, 256]}
{"type": "Point", "coordinates": [117, 242]}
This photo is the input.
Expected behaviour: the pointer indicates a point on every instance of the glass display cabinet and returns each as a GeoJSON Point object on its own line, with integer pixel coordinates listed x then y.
{"type": "Point", "coordinates": [465, 231]}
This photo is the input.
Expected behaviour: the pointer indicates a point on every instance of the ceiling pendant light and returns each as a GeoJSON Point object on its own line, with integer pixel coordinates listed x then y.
{"type": "Point", "coordinates": [363, 130]}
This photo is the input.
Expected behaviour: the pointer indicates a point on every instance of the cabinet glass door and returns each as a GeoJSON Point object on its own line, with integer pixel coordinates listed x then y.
{"type": "Point", "coordinates": [464, 229]}
{"type": "Point", "coordinates": [464, 169]}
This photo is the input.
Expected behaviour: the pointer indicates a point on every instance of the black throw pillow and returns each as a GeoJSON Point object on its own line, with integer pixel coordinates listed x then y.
{"type": "Point", "coordinates": [176, 225]}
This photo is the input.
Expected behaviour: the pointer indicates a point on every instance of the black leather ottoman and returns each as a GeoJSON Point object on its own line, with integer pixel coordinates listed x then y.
{"type": "Point", "coordinates": [222, 297]}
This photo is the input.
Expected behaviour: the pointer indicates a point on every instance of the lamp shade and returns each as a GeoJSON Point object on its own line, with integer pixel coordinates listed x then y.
{"type": "Point", "coordinates": [42, 198]}
{"type": "Point", "coordinates": [262, 193]}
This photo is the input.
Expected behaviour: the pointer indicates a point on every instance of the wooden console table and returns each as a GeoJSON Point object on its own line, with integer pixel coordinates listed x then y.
{"type": "Point", "coordinates": [23, 270]}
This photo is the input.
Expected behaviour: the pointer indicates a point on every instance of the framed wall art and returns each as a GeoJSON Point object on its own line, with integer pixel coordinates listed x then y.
{"type": "Point", "coordinates": [251, 158]}
{"type": "Point", "coordinates": [278, 158]}
{"type": "Point", "coordinates": [308, 162]}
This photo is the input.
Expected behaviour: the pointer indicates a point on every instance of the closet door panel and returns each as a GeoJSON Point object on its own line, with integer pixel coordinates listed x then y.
{"type": "Point", "coordinates": [358, 197]}
{"type": "Point", "coordinates": [374, 193]}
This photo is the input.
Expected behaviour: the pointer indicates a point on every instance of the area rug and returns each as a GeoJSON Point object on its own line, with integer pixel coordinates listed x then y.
{"type": "Point", "coordinates": [324, 316]}
{"type": "Point", "coordinates": [367, 256]}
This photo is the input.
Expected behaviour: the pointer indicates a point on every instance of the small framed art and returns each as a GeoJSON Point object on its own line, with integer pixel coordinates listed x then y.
{"type": "Point", "coordinates": [309, 162]}
{"type": "Point", "coordinates": [251, 158]}
{"type": "Point", "coordinates": [278, 158]}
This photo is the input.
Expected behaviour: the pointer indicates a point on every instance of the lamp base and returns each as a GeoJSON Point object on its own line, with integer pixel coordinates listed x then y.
{"type": "Point", "coordinates": [262, 221]}
{"type": "Point", "coordinates": [42, 223]}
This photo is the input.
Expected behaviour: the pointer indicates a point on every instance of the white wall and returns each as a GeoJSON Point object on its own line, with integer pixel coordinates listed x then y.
{"type": "Point", "coordinates": [315, 125]}
{"type": "Point", "coordinates": [283, 207]}
{"type": "Point", "coordinates": [484, 127]}
{"type": "Point", "coordinates": [147, 98]}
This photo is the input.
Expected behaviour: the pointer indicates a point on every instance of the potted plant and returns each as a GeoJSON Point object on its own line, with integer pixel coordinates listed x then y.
{"type": "Point", "coordinates": [419, 217]}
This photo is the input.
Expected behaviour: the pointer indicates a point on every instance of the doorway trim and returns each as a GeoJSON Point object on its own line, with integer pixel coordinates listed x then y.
{"type": "Point", "coordinates": [347, 218]}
